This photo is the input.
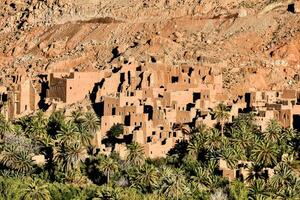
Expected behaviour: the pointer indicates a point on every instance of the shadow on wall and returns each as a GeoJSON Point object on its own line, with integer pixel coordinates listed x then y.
{"type": "Point", "coordinates": [94, 92]}
{"type": "Point", "coordinates": [45, 86]}
{"type": "Point", "coordinates": [98, 108]}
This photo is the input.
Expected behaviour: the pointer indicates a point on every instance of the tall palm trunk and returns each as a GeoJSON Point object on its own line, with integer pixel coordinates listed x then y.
{"type": "Point", "coordinates": [176, 190]}
{"type": "Point", "coordinates": [222, 128]}
{"type": "Point", "coordinates": [107, 177]}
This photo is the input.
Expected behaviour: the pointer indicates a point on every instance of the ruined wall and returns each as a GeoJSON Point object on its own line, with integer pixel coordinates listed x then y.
{"type": "Point", "coordinates": [285, 118]}
{"type": "Point", "coordinates": [57, 88]}
{"type": "Point", "coordinates": [80, 85]}
{"type": "Point", "coordinates": [157, 149]}
{"type": "Point", "coordinates": [24, 97]}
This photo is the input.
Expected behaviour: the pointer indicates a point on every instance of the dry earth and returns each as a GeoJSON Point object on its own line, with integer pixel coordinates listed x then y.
{"type": "Point", "coordinates": [254, 43]}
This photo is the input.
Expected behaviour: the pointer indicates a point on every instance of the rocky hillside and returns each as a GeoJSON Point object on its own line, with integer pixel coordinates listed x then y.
{"type": "Point", "coordinates": [254, 43]}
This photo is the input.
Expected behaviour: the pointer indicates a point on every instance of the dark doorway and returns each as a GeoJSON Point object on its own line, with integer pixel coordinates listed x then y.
{"type": "Point", "coordinates": [196, 96]}
{"type": "Point", "coordinates": [175, 79]}
{"type": "Point", "coordinates": [127, 120]}
{"type": "Point", "coordinates": [296, 122]}
{"type": "Point", "coordinates": [291, 8]}
{"type": "Point", "coordinates": [149, 110]}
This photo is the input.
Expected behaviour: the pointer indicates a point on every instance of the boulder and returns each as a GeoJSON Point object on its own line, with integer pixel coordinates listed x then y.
{"type": "Point", "coordinates": [39, 160]}
{"type": "Point", "coordinates": [242, 13]}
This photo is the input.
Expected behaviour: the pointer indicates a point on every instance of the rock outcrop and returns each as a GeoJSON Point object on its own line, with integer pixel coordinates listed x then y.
{"type": "Point", "coordinates": [239, 36]}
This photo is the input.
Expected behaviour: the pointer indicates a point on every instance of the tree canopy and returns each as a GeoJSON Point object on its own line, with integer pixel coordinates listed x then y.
{"type": "Point", "coordinates": [191, 170]}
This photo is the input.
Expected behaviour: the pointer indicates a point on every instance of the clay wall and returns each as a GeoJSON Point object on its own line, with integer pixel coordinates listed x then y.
{"type": "Point", "coordinates": [183, 116]}
{"type": "Point", "coordinates": [129, 99]}
{"type": "Point", "coordinates": [25, 97]}
{"type": "Point", "coordinates": [137, 119]}
{"type": "Point", "coordinates": [264, 117]}
{"type": "Point", "coordinates": [80, 84]}
{"type": "Point", "coordinates": [285, 118]}
{"type": "Point", "coordinates": [107, 122]}
{"type": "Point", "coordinates": [289, 94]}
{"type": "Point", "coordinates": [57, 88]}
{"type": "Point", "coordinates": [110, 105]}
{"type": "Point", "coordinates": [110, 85]}
{"type": "Point", "coordinates": [158, 149]}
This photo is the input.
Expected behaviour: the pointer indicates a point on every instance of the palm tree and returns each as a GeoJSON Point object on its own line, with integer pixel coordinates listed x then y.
{"type": "Point", "coordinates": [197, 142]}
{"type": "Point", "coordinates": [290, 133]}
{"type": "Point", "coordinates": [69, 155]}
{"type": "Point", "coordinates": [40, 117]}
{"type": "Point", "coordinates": [77, 116]}
{"type": "Point", "coordinates": [242, 135]}
{"type": "Point", "coordinates": [201, 129]}
{"type": "Point", "coordinates": [258, 190]}
{"type": "Point", "coordinates": [46, 142]}
{"type": "Point", "coordinates": [222, 114]}
{"type": "Point", "coordinates": [10, 188]}
{"type": "Point", "coordinates": [5, 127]}
{"type": "Point", "coordinates": [184, 128]}
{"type": "Point", "coordinates": [148, 177]}
{"type": "Point", "coordinates": [136, 155]}
{"type": "Point", "coordinates": [36, 126]}
{"type": "Point", "coordinates": [289, 192]}
{"type": "Point", "coordinates": [92, 122]}
{"type": "Point", "coordinates": [107, 192]}
{"type": "Point", "coordinates": [132, 194]}
{"type": "Point", "coordinates": [214, 139]}
{"type": "Point", "coordinates": [229, 154]}
{"type": "Point", "coordinates": [84, 135]}
{"type": "Point", "coordinates": [238, 191]}
{"type": "Point", "coordinates": [204, 176]}
{"type": "Point", "coordinates": [265, 153]}
{"type": "Point", "coordinates": [194, 147]}
{"type": "Point", "coordinates": [255, 173]}
{"type": "Point", "coordinates": [283, 176]}
{"type": "Point", "coordinates": [68, 133]}
{"type": "Point", "coordinates": [16, 160]}
{"type": "Point", "coordinates": [246, 119]}
{"type": "Point", "coordinates": [55, 123]}
{"type": "Point", "coordinates": [108, 166]}
{"type": "Point", "coordinates": [115, 131]}
{"type": "Point", "coordinates": [35, 189]}
{"type": "Point", "coordinates": [273, 131]}
{"type": "Point", "coordinates": [174, 184]}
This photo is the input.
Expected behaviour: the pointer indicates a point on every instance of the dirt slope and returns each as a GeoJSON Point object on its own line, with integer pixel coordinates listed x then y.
{"type": "Point", "coordinates": [256, 44]}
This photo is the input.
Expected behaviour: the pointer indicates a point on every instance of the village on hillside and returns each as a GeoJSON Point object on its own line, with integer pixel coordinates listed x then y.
{"type": "Point", "coordinates": [156, 104]}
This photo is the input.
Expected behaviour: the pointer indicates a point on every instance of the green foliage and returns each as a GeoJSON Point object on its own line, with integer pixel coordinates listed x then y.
{"type": "Point", "coordinates": [136, 155]}
{"type": "Point", "coordinates": [108, 166]}
{"type": "Point", "coordinates": [265, 153]}
{"type": "Point", "coordinates": [221, 113]}
{"type": "Point", "coordinates": [189, 171]}
{"type": "Point", "coordinates": [116, 131]}
{"type": "Point", "coordinates": [238, 191]}
{"type": "Point", "coordinates": [16, 159]}
{"type": "Point", "coordinates": [35, 189]}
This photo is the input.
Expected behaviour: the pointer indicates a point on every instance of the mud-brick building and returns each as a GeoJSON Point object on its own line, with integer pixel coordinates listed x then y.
{"type": "Point", "coordinates": [151, 99]}
{"type": "Point", "coordinates": [3, 100]}
{"type": "Point", "coordinates": [22, 98]}
{"type": "Point", "coordinates": [73, 87]}
{"type": "Point", "coordinates": [281, 105]}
